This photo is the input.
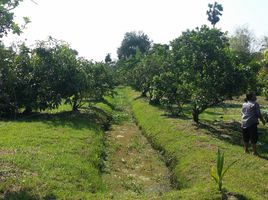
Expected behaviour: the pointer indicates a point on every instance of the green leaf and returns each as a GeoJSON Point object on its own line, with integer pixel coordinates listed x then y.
{"type": "Point", "coordinates": [222, 163]}
{"type": "Point", "coordinates": [219, 163]}
{"type": "Point", "coordinates": [214, 175]}
{"type": "Point", "coordinates": [228, 168]}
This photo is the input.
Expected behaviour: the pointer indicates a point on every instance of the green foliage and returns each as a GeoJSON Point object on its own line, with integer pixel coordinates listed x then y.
{"type": "Point", "coordinates": [41, 78]}
{"type": "Point", "coordinates": [265, 115]}
{"type": "Point", "coordinates": [103, 82]}
{"type": "Point", "coordinates": [151, 66]}
{"type": "Point", "coordinates": [7, 22]}
{"type": "Point", "coordinates": [8, 105]}
{"type": "Point", "coordinates": [262, 76]}
{"type": "Point", "coordinates": [242, 44]}
{"type": "Point", "coordinates": [217, 173]}
{"type": "Point", "coordinates": [24, 83]}
{"type": "Point", "coordinates": [108, 58]}
{"type": "Point", "coordinates": [133, 48]}
{"type": "Point", "coordinates": [206, 68]}
{"type": "Point", "coordinates": [190, 152]}
{"type": "Point", "coordinates": [132, 42]}
{"type": "Point", "coordinates": [199, 69]}
{"type": "Point", "coordinates": [249, 59]}
{"type": "Point", "coordinates": [214, 12]}
{"type": "Point", "coordinates": [124, 69]}
{"type": "Point", "coordinates": [48, 70]}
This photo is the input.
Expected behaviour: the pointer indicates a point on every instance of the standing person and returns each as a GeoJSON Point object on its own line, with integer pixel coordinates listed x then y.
{"type": "Point", "coordinates": [250, 115]}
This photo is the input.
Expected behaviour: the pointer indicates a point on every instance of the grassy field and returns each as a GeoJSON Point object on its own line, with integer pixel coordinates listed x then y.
{"type": "Point", "coordinates": [190, 151]}
{"type": "Point", "coordinates": [59, 154]}
{"type": "Point", "coordinates": [55, 155]}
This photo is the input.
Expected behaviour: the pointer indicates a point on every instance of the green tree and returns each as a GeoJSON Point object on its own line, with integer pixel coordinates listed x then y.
{"type": "Point", "coordinates": [24, 83]}
{"type": "Point", "coordinates": [46, 75]}
{"type": "Point", "coordinates": [247, 56]}
{"type": "Point", "coordinates": [102, 81]}
{"type": "Point", "coordinates": [43, 77]}
{"type": "Point", "coordinates": [72, 83]}
{"type": "Point", "coordinates": [153, 64]}
{"type": "Point", "coordinates": [262, 76]}
{"type": "Point", "coordinates": [8, 104]}
{"type": "Point", "coordinates": [108, 58]}
{"type": "Point", "coordinates": [124, 69]}
{"type": "Point", "coordinates": [132, 42]}
{"type": "Point", "coordinates": [7, 22]}
{"type": "Point", "coordinates": [206, 68]}
{"type": "Point", "coordinates": [214, 12]}
{"type": "Point", "coordinates": [243, 44]}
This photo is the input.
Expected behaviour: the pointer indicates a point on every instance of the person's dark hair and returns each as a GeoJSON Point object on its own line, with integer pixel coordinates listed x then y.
{"type": "Point", "coordinates": [250, 96]}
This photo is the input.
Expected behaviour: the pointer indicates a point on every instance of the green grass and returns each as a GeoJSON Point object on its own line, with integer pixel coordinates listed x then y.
{"type": "Point", "coordinates": [52, 155]}
{"type": "Point", "coordinates": [58, 154]}
{"type": "Point", "coordinates": [191, 151]}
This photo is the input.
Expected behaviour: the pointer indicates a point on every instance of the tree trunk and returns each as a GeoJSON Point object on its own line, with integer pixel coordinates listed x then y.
{"type": "Point", "coordinates": [150, 96]}
{"type": "Point", "coordinates": [195, 114]}
{"type": "Point", "coordinates": [28, 110]}
{"type": "Point", "coordinates": [144, 93]}
{"type": "Point", "coordinates": [155, 101]}
{"type": "Point", "coordinates": [75, 105]}
{"type": "Point", "coordinates": [75, 108]}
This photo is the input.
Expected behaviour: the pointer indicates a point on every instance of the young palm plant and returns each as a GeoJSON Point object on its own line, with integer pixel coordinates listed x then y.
{"type": "Point", "coordinates": [217, 173]}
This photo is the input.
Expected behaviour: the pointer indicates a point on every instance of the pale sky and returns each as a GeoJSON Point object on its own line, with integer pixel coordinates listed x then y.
{"type": "Point", "coordinates": [97, 27]}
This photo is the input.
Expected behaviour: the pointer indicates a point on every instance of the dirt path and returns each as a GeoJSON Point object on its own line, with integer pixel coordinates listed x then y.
{"type": "Point", "coordinates": [134, 169]}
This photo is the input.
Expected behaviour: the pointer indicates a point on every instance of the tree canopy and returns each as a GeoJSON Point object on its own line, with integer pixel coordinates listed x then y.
{"type": "Point", "coordinates": [206, 67]}
{"type": "Point", "coordinates": [48, 75]}
{"type": "Point", "coordinates": [132, 42]}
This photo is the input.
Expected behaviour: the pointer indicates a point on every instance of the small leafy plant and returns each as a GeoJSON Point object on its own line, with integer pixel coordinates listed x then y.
{"type": "Point", "coordinates": [217, 173]}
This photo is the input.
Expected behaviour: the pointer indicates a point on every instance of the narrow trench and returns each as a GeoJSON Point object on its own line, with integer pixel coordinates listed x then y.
{"type": "Point", "coordinates": [133, 168]}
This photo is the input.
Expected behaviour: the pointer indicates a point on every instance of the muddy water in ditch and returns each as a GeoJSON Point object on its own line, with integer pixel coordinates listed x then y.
{"type": "Point", "coordinates": [133, 167]}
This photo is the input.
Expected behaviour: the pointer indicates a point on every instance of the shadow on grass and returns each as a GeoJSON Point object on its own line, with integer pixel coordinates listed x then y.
{"type": "Point", "coordinates": [25, 195]}
{"type": "Point", "coordinates": [176, 116]}
{"type": "Point", "coordinates": [227, 131]}
{"type": "Point", "coordinates": [170, 112]}
{"type": "Point", "coordinates": [112, 106]}
{"type": "Point", "coordinates": [213, 113]}
{"type": "Point", "coordinates": [231, 132]}
{"type": "Point", "coordinates": [228, 105]}
{"type": "Point", "coordinates": [88, 118]}
{"type": "Point", "coordinates": [141, 97]}
{"type": "Point", "coordinates": [231, 195]}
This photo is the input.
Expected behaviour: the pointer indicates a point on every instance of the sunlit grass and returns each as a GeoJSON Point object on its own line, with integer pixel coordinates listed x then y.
{"type": "Point", "coordinates": [51, 155]}
{"type": "Point", "coordinates": [190, 150]}
{"type": "Point", "coordinates": [58, 154]}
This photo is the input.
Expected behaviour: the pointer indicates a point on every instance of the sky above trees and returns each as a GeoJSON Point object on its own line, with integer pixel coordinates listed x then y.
{"type": "Point", "coordinates": [97, 27]}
